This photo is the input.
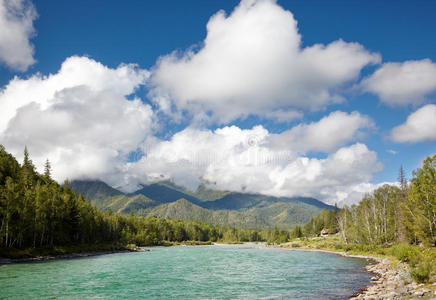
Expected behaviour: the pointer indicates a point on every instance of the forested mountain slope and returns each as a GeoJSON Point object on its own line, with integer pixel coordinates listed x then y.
{"type": "Point", "coordinates": [216, 207]}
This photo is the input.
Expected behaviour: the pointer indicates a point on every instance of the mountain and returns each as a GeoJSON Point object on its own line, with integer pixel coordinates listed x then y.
{"type": "Point", "coordinates": [183, 209]}
{"type": "Point", "coordinates": [163, 193]}
{"type": "Point", "coordinates": [206, 194]}
{"type": "Point", "coordinates": [243, 201]}
{"type": "Point", "coordinates": [165, 199]}
{"type": "Point", "coordinates": [125, 204]}
{"type": "Point", "coordinates": [94, 189]}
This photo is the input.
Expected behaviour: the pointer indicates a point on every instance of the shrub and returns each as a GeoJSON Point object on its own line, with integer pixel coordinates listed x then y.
{"type": "Point", "coordinates": [381, 251]}
{"type": "Point", "coordinates": [348, 248]}
{"type": "Point", "coordinates": [131, 246]}
{"type": "Point", "coordinates": [423, 270]}
{"type": "Point", "coordinates": [405, 252]}
{"type": "Point", "coordinates": [295, 245]}
{"type": "Point", "coordinates": [338, 246]}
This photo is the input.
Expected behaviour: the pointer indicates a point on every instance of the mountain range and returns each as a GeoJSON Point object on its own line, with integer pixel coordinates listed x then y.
{"type": "Point", "coordinates": [165, 199]}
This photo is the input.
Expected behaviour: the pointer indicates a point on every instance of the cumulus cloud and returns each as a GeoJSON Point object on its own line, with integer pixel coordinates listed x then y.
{"type": "Point", "coordinates": [75, 71]}
{"type": "Point", "coordinates": [326, 135]}
{"type": "Point", "coordinates": [403, 83]}
{"type": "Point", "coordinates": [251, 160]}
{"type": "Point", "coordinates": [79, 118]}
{"type": "Point", "coordinates": [16, 30]}
{"type": "Point", "coordinates": [354, 194]}
{"type": "Point", "coordinates": [253, 62]}
{"type": "Point", "coordinates": [420, 126]}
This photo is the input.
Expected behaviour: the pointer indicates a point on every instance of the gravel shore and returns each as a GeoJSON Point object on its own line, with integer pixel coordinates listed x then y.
{"type": "Point", "coordinates": [391, 279]}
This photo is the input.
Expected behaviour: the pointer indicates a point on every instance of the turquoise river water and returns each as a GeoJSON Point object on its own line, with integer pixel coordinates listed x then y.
{"type": "Point", "coordinates": [198, 272]}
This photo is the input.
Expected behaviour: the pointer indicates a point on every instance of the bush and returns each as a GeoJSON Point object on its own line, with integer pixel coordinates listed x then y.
{"type": "Point", "coordinates": [423, 270]}
{"type": "Point", "coordinates": [131, 246]}
{"type": "Point", "coordinates": [338, 246]}
{"type": "Point", "coordinates": [381, 251]}
{"type": "Point", "coordinates": [405, 252]}
{"type": "Point", "coordinates": [295, 245]}
{"type": "Point", "coordinates": [347, 248]}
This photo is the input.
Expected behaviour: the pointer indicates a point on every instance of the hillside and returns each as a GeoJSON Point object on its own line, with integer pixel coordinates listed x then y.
{"type": "Point", "coordinates": [182, 209]}
{"type": "Point", "coordinates": [163, 193]}
{"type": "Point", "coordinates": [164, 199]}
{"type": "Point", "coordinates": [202, 193]}
{"type": "Point", "coordinates": [94, 189]}
{"type": "Point", "coordinates": [243, 202]}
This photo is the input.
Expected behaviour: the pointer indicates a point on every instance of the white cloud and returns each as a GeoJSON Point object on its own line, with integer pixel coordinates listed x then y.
{"type": "Point", "coordinates": [79, 118]}
{"type": "Point", "coordinates": [284, 116]}
{"type": "Point", "coordinates": [74, 72]}
{"type": "Point", "coordinates": [403, 83]}
{"type": "Point", "coordinates": [16, 29]}
{"type": "Point", "coordinates": [250, 160]}
{"type": "Point", "coordinates": [420, 126]}
{"type": "Point", "coordinates": [354, 194]}
{"type": "Point", "coordinates": [252, 62]}
{"type": "Point", "coordinates": [326, 135]}
{"type": "Point", "coordinates": [82, 121]}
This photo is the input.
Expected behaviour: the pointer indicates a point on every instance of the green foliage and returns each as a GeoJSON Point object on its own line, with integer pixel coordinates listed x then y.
{"type": "Point", "coordinates": [404, 252]}
{"type": "Point", "coordinates": [419, 208]}
{"type": "Point", "coordinates": [326, 220]}
{"type": "Point", "coordinates": [338, 246]}
{"type": "Point", "coordinates": [402, 217]}
{"type": "Point", "coordinates": [297, 232]}
{"type": "Point", "coordinates": [423, 270]}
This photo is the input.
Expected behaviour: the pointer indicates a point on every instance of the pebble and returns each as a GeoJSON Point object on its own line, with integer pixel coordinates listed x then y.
{"type": "Point", "coordinates": [392, 281]}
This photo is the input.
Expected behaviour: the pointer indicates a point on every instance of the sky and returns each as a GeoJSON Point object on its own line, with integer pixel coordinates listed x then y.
{"type": "Point", "coordinates": [324, 99]}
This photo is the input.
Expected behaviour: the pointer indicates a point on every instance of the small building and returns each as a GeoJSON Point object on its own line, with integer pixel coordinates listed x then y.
{"type": "Point", "coordinates": [324, 232]}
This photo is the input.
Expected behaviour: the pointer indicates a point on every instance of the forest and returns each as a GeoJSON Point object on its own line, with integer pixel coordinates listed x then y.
{"type": "Point", "coordinates": [393, 220]}
{"type": "Point", "coordinates": [35, 212]}
{"type": "Point", "coordinates": [390, 214]}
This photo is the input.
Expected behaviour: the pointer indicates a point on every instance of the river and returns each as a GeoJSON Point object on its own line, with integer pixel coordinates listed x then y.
{"type": "Point", "coordinates": [193, 272]}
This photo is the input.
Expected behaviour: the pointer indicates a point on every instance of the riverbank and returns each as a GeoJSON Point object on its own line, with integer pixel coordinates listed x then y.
{"type": "Point", "coordinates": [391, 278]}
{"type": "Point", "coordinates": [10, 256]}
{"type": "Point", "coordinates": [4, 261]}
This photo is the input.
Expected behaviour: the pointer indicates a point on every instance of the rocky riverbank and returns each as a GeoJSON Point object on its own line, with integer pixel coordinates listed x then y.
{"type": "Point", "coordinates": [392, 281]}
{"type": "Point", "coordinates": [391, 278]}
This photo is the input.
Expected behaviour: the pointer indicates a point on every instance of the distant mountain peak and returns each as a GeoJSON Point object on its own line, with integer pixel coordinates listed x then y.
{"type": "Point", "coordinates": [94, 189]}
{"type": "Point", "coordinates": [166, 199]}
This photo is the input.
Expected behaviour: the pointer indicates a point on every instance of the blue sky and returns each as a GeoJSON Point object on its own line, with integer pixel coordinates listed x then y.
{"type": "Point", "coordinates": [139, 32]}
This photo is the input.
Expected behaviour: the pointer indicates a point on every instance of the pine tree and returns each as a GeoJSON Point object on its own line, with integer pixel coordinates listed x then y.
{"type": "Point", "coordinates": [400, 228]}
{"type": "Point", "coordinates": [402, 180]}
{"type": "Point", "coordinates": [26, 162]}
{"type": "Point", "coordinates": [47, 169]}
{"type": "Point", "coordinates": [28, 170]}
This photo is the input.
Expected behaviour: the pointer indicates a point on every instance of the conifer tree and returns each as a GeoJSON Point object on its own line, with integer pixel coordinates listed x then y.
{"type": "Point", "coordinates": [47, 169]}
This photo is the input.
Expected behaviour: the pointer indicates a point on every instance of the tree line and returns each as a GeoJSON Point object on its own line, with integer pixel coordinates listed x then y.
{"type": "Point", "coordinates": [389, 215]}
{"type": "Point", "coordinates": [35, 211]}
